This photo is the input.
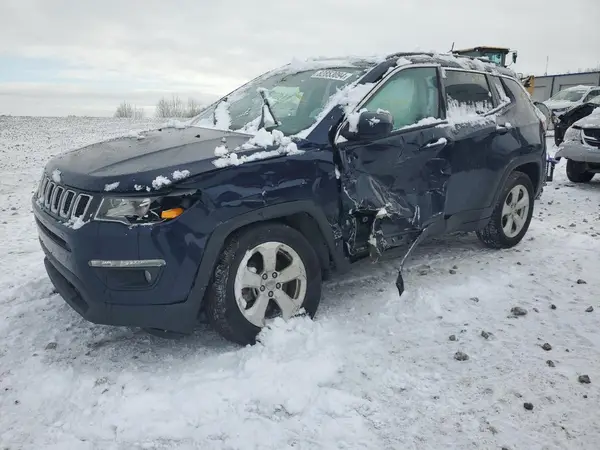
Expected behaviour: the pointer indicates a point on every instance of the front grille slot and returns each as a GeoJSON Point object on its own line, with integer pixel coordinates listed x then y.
{"type": "Point", "coordinates": [48, 194]}
{"type": "Point", "coordinates": [62, 202]}
{"type": "Point", "coordinates": [65, 209]}
{"type": "Point", "coordinates": [56, 198]}
{"type": "Point", "coordinates": [81, 205]}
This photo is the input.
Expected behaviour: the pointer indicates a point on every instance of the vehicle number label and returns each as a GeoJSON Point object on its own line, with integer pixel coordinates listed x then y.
{"type": "Point", "coordinates": [332, 75]}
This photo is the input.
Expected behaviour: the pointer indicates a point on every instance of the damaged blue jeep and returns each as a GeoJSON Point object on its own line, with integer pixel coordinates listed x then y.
{"type": "Point", "coordinates": [239, 214]}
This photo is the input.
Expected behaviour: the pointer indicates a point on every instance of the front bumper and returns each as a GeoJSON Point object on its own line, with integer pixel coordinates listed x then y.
{"type": "Point", "coordinates": [578, 152]}
{"type": "Point", "coordinates": [122, 296]}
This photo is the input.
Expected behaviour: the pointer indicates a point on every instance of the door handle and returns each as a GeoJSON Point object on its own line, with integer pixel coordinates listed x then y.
{"type": "Point", "coordinates": [436, 145]}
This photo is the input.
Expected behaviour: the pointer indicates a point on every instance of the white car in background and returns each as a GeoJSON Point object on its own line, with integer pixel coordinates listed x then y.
{"type": "Point", "coordinates": [570, 97]}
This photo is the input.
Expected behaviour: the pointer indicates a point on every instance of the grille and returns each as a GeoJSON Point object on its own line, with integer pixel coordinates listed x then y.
{"type": "Point", "coordinates": [60, 201]}
{"type": "Point", "coordinates": [592, 137]}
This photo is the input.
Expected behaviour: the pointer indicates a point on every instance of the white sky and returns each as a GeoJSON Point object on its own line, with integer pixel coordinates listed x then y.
{"type": "Point", "coordinates": [60, 57]}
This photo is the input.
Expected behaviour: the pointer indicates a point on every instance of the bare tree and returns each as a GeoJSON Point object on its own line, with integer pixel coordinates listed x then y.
{"type": "Point", "coordinates": [127, 110]}
{"type": "Point", "coordinates": [175, 107]}
{"type": "Point", "coordinates": [193, 108]}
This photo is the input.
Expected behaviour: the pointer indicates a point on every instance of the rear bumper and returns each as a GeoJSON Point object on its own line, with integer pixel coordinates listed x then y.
{"type": "Point", "coordinates": [579, 152]}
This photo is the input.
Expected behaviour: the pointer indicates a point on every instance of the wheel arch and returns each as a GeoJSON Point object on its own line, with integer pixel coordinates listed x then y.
{"type": "Point", "coordinates": [304, 216]}
{"type": "Point", "coordinates": [530, 166]}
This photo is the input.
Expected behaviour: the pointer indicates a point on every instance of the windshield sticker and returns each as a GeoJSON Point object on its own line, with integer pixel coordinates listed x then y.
{"type": "Point", "coordinates": [332, 75]}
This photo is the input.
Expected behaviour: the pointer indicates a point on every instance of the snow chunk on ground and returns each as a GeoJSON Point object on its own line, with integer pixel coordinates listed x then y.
{"type": "Point", "coordinates": [56, 175]}
{"type": "Point", "coordinates": [174, 123]}
{"type": "Point", "coordinates": [135, 135]}
{"type": "Point", "coordinates": [160, 181]}
{"type": "Point", "coordinates": [181, 174]}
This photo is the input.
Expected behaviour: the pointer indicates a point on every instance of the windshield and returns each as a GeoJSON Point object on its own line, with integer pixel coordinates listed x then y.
{"type": "Point", "coordinates": [296, 99]}
{"type": "Point", "coordinates": [570, 95]}
{"type": "Point", "coordinates": [595, 100]}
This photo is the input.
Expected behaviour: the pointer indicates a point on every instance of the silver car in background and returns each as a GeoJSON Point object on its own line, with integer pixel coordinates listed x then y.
{"type": "Point", "coordinates": [581, 148]}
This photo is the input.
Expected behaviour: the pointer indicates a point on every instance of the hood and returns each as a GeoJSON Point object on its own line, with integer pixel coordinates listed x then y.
{"type": "Point", "coordinates": [133, 163]}
{"type": "Point", "coordinates": [558, 104]}
{"type": "Point", "coordinates": [591, 121]}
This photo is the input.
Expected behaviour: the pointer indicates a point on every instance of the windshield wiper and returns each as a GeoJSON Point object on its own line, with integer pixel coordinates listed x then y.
{"type": "Point", "coordinates": [263, 119]}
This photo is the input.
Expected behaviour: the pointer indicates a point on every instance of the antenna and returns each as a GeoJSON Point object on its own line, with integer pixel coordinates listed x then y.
{"type": "Point", "coordinates": [452, 47]}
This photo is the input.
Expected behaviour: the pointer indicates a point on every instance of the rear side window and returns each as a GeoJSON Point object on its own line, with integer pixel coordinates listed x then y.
{"type": "Point", "coordinates": [410, 96]}
{"type": "Point", "coordinates": [518, 95]}
{"type": "Point", "coordinates": [467, 92]}
{"type": "Point", "coordinates": [591, 95]}
{"type": "Point", "coordinates": [504, 98]}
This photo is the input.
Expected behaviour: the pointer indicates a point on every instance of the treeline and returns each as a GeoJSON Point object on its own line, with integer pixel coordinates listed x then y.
{"type": "Point", "coordinates": [165, 108]}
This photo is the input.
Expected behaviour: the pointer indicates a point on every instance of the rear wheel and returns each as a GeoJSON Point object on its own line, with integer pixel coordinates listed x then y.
{"type": "Point", "coordinates": [512, 214]}
{"type": "Point", "coordinates": [265, 271]}
{"type": "Point", "coordinates": [577, 173]}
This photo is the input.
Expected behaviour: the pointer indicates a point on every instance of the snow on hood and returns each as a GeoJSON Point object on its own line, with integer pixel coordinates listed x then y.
{"type": "Point", "coordinates": [591, 121]}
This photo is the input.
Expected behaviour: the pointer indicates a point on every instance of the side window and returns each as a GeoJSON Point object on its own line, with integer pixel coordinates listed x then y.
{"type": "Point", "coordinates": [520, 97]}
{"type": "Point", "coordinates": [409, 96]}
{"type": "Point", "coordinates": [591, 95]}
{"type": "Point", "coordinates": [504, 98]}
{"type": "Point", "coordinates": [467, 92]}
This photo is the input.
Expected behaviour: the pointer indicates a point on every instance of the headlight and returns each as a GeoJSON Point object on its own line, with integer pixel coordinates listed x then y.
{"type": "Point", "coordinates": [140, 210]}
{"type": "Point", "coordinates": [573, 134]}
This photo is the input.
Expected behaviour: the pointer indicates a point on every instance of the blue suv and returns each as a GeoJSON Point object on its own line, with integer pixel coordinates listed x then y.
{"type": "Point", "coordinates": [238, 215]}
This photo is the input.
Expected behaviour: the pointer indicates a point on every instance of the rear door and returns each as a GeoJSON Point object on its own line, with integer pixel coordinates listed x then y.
{"type": "Point", "coordinates": [471, 105]}
{"type": "Point", "coordinates": [400, 178]}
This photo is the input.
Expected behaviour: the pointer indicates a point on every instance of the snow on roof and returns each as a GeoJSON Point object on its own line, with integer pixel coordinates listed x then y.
{"type": "Point", "coordinates": [580, 87]}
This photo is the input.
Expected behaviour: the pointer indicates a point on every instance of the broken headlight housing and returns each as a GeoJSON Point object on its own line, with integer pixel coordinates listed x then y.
{"type": "Point", "coordinates": [573, 135]}
{"type": "Point", "coordinates": [144, 210]}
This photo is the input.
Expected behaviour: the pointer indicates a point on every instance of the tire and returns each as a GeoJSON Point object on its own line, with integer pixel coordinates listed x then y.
{"type": "Point", "coordinates": [498, 233]}
{"type": "Point", "coordinates": [576, 172]}
{"type": "Point", "coordinates": [240, 250]}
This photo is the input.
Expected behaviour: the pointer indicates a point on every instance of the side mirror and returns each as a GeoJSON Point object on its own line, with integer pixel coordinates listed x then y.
{"type": "Point", "coordinates": [514, 57]}
{"type": "Point", "coordinates": [370, 126]}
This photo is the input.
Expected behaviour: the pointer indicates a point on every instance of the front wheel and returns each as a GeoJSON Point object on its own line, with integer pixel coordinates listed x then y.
{"type": "Point", "coordinates": [265, 271]}
{"type": "Point", "coordinates": [576, 172]}
{"type": "Point", "coordinates": [512, 214]}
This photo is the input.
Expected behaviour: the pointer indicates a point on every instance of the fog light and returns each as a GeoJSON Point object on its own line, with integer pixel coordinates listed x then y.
{"type": "Point", "coordinates": [148, 276]}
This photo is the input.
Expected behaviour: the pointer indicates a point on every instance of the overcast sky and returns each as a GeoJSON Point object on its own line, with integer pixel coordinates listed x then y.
{"type": "Point", "coordinates": [60, 57]}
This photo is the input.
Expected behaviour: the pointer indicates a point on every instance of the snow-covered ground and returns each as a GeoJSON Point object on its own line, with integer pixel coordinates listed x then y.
{"type": "Point", "coordinates": [373, 371]}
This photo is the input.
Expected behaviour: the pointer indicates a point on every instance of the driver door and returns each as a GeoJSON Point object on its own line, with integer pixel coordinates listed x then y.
{"type": "Point", "coordinates": [397, 182]}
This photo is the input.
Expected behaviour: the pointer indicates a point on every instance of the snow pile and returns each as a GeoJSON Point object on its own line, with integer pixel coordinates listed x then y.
{"type": "Point", "coordinates": [56, 176]}
{"type": "Point", "coordinates": [402, 62]}
{"type": "Point", "coordinates": [221, 150]}
{"type": "Point", "coordinates": [174, 123]}
{"type": "Point", "coordinates": [135, 135]}
{"type": "Point", "coordinates": [111, 186]}
{"type": "Point", "coordinates": [160, 182]}
{"type": "Point", "coordinates": [180, 174]}
{"type": "Point", "coordinates": [222, 117]}
{"type": "Point", "coordinates": [75, 223]}
{"type": "Point", "coordinates": [264, 139]}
